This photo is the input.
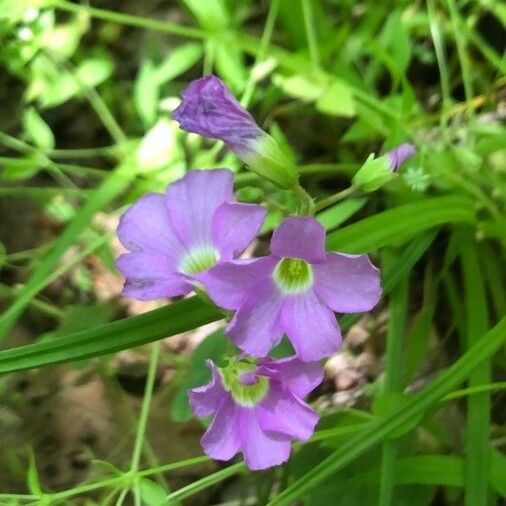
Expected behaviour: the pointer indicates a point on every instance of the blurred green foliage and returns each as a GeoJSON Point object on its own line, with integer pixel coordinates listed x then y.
{"type": "Point", "coordinates": [86, 95]}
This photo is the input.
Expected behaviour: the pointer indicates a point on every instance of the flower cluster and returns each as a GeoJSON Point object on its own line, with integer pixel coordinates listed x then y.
{"type": "Point", "coordinates": [191, 237]}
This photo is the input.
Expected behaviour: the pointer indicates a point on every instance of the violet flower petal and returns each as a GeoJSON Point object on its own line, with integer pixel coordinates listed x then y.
{"type": "Point", "coordinates": [234, 226]}
{"type": "Point", "coordinates": [208, 108]}
{"type": "Point", "coordinates": [281, 412]}
{"type": "Point", "coordinates": [204, 400]}
{"type": "Point", "coordinates": [227, 283]}
{"type": "Point", "coordinates": [311, 326]}
{"type": "Point", "coordinates": [151, 276]}
{"type": "Point", "coordinates": [299, 237]}
{"type": "Point", "coordinates": [255, 327]}
{"type": "Point", "coordinates": [222, 440]}
{"type": "Point", "coordinates": [146, 227]}
{"type": "Point", "coordinates": [261, 449]}
{"type": "Point", "coordinates": [296, 376]}
{"type": "Point", "coordinates": [347, 283]}
{"type": "Point", "coordinates": [192, 201]}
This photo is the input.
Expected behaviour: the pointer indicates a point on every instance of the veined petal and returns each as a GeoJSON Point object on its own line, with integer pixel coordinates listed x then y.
{"type": "Point", "coordinates": [206, 399]}
{"type": "Point", "coordinates": [228, 283]}
{"type": "Point", "coordinates": [151, 276]}
{"type": "Point", "coordinates": [261, 449]}
{"type": "Point", "coordinates": [347, 283]}
{"type": "Point", "coordinates": [222, 439]}
{"type": "Point", "coordinates": [254, 327]}
{"type": "Point", "coordinates": [208, 108]}
{"type": "Point", "coordinates": [234, 227]}
{"type": "Point", "coordinates": [298, 377]}
{"type": "Point", "coordinates": [146, 227]}
{"type": "Point", "coordinates": [311, 326]}
{"type": "Point", "coordinates": [192, 201]}
{"type": "Point", "coordinates": [299, 237]}
{"type": "Point", "coordinates": [281, 412]}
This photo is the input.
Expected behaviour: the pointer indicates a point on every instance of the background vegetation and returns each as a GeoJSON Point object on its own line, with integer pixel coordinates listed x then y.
{"type": "Point", "coordinates": [413, 408]}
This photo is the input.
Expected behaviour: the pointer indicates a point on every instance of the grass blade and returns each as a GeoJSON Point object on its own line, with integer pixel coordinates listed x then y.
{"type": "Point", "coordinates": [377, 431]}
{"type": "Point", "coordinates": [167, 321]}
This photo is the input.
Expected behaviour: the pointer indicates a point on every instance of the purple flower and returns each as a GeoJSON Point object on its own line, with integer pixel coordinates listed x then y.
{"type": "Point", "coordinates": [257, 409]}
{"type": "Point", "coordinates": [176, 236]}
{"type": "Point", "coordinates": [400, 154]}
{"type": "Point", "coordinates": [208, 108]}
{"type": "Point", "coordinates": [294, 291]}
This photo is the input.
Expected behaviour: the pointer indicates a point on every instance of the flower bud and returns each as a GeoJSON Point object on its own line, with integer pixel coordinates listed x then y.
{"type": "Point", "coordinates": [376, 172]}
{"type": "Point", "coordinates": [208, 108]}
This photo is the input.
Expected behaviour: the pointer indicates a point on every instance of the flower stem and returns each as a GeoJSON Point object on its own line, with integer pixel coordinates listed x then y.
{"type": "Point", "coordinates": [306, 204]}
{"type": "Point", "coordinates": [334, 198]}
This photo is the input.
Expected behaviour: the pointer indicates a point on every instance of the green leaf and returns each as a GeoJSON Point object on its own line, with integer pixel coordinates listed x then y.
{"type": "Point", "coordinates": [94, 71]}
{"type": "Point", "coordinates": [179, 60]}
{"type": "Point", "coordinates": [337, 100]}
{"type": "Point", "coordinates": [212, 347]}
{"type": "Point", "coordinates": [146, 93]}
{"type": "Point", "coordinates": [173, 319]}
{"type": "Point", "coordinates": [299, 86]}
{"type": "Point", "coordinates": [37, 129]}
{"type": "Point", "coordinates": [397, 225]}
{"type": "Point", "coordinates": [229, 64]}
{"type": "Point", "coordinates": [3, 255]}
{"type": "Point", "coordinates": [151, 493]}
{"type": "Point", "coordinates": [32, 477]}
{"type": "Point", "coordinates": [337, 214]}
{"type": "Point", "coordinates": [377, 431]}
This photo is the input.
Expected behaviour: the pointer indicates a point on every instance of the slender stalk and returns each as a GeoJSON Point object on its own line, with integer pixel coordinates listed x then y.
{"type": "Point", "coordinates": [262, 50]}
{"type": "Point", "coordinates": [132, 20]}
{"type": "Point", "coordinates": [437, 39]}
{"type": "Point", "coordinates": [459, 33]}
{"type": "Point", "coordinates": [322, 204]}
{"type": "Point", "coordinates": [312, 40]}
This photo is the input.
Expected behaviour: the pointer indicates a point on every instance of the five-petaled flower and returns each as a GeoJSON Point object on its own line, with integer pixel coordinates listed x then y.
{"type": "Point", "coordinates": [208, 108]}
{"type": "Point", "coordinates": [176, 236]}
{"type": "Point", "coordinates": [293, 291]}
{"type": "Point", "coordinates": [257, 408]}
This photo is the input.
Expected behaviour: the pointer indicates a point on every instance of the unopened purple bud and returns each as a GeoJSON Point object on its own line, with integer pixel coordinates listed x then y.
{"type": "Point", "coordinates": [208, 108]}
{"type": "Point", "coordinates": [400, 154]}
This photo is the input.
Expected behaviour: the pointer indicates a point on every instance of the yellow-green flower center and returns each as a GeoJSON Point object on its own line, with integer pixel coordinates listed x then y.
{"type": "Point", "coordinates": [198, 260]}
{"type": "Point", "coordinates": [293, 275]}
{"type": "Point", "coordinates": [244, 386]}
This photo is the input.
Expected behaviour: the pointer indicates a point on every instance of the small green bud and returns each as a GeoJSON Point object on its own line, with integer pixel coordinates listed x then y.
{"type": "Point", "coordinates": [375, 173]}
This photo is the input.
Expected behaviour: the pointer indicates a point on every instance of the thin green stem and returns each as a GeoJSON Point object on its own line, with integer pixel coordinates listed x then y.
{"type": "Point", "coordinates": [132, 20]}
{"type": "Point", "coordinates": [97, 103]}
{"type": "Point", "coordinates": [312, 40]}
{"type": "Point", "coordinates": [146, 404]}
{"type": "Point", "coordinates": [459, 34]}
{"type": "Point", "coordinates": [265, 40]}
{"type": "Point", "coordinates": [322, 204]}
{"type": "Point", "coordinates": [437, 39]}
{"type": "Point", "coordinates": [203, 483]}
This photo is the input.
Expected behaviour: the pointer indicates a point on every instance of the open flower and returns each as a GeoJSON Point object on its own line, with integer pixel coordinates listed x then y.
{"type": "Point", "coordinates": [208, 108]}
{"type": "Point", "coordinates": [176, 236]}
{"type": "Point", "coordinates": [257, 409]}
{"type": "Point", "coordinates": [294, 291]}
